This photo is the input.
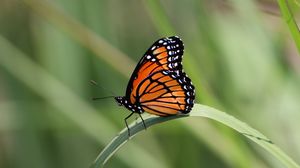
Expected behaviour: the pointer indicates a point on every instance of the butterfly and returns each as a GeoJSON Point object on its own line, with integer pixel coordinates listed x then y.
{"type": "Point", "coordinates": [158, 85]}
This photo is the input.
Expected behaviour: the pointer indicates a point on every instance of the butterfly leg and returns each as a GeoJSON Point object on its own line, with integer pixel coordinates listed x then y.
{"type": "Point", "coordinates": [127, 123]}
{"type": "Point", "coordinates": [143, 121]}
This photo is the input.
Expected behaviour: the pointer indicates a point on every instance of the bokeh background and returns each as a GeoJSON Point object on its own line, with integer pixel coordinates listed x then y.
{"type": "Point", "coordinates": [239, 54]}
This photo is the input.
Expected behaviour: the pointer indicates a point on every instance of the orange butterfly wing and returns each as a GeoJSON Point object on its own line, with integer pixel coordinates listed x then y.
{"type": "Point", "coordinates": [170, 92]}
{"type": "Point", "coordinates": [158, 83]}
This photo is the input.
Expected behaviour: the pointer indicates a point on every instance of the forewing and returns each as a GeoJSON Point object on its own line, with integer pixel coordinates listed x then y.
{"type": "Point", "coordinates": [164, 54]}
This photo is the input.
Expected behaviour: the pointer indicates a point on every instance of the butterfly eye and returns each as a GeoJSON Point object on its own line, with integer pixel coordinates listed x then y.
{"type": "Point", "coordinates": [119, 100]}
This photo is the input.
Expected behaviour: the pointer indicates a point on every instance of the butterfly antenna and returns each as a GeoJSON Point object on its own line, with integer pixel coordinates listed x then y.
{"type": "Point", "coordinates": [99, 98]}
{"type": "Point", "coordinates": [96, 84]}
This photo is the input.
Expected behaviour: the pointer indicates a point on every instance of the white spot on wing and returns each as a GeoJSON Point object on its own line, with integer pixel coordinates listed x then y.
{"type": "Point", "coordinates": [165, 72]}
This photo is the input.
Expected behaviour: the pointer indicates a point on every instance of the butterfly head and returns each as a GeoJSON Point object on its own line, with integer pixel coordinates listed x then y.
{"type": "Point", "coordinates": [120, 100]}
{"type": "Point", "coordinates": [123, 101]}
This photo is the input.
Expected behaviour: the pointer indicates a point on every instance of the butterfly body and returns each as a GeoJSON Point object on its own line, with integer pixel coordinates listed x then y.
{"type": "Point", "coordinates": [158, 84]}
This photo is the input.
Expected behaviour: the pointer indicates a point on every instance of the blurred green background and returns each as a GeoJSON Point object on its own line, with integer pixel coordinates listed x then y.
{"type": "Point", "coordinates": [239, 54]}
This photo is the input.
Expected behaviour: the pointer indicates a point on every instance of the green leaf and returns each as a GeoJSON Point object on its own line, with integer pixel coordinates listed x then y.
{"type": "Point", "coordinates": [198, 111]}
{"type": "Point", "coordinates": [289, 18]}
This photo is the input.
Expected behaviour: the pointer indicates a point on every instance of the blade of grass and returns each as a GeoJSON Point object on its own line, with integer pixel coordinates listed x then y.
{"type": "Point", "coordinates": [77, 110]}
{"type": "Point", "coordinates": [159, 18]}
{"type": "Point", "coordinates": [52, 13]}
{"type": "Point", "coordinates": [289, 19]}
{"type": "Point", "coordinates": [198, 111]}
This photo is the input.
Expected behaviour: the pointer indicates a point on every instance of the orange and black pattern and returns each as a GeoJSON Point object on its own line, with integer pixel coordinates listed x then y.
{"type": "Point", "coordinates": [158, 84]}
{"type": "Point", "coordinates": [169, 93]}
